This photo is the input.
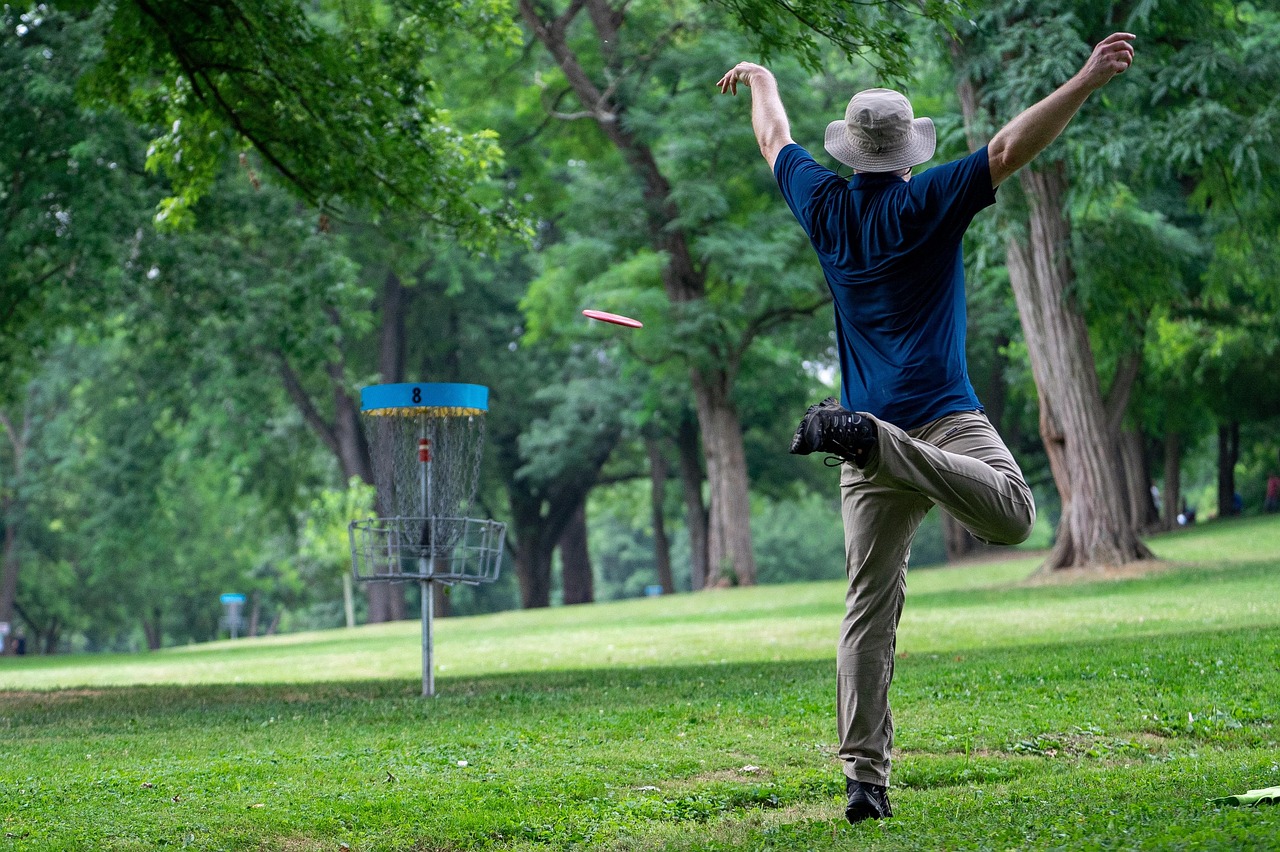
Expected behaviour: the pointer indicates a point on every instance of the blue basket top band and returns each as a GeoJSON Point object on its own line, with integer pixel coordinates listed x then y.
{"type": "Point", "coordinates": [471, 398]}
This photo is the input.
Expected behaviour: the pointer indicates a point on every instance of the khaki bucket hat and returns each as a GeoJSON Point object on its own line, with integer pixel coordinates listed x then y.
{"type": "Point", "coordinates": [880, 133]}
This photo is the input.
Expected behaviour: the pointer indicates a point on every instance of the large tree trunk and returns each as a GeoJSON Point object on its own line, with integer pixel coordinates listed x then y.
{"type": "Point", "coordinates": [344, 433]}
{"type": "Point", "coordinates": [1228, 455]}
{"type": "Point", "coordinates": [533, 550]}
{"type": "Point", "coordinates": [729, 556]}
{"type": "Point", "coordinates": [540, 514]}
{"type": "Point", "coordinates": [1095, 528]}
{"type": "Point", "coordinates": [695, 511]}
{"type": "Point", "coordinates": [658, 467]}
{"type": "Point", "coordinates": [575, 559]}
{"type": "Point", "coordinates": [1137, 481]}
{"type": "Point", "coordinates": [729, 548]}
{"type": "Point", "coordinates": [1172, 497]}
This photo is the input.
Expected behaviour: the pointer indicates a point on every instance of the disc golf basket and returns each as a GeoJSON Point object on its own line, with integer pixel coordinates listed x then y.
{"type": "Point", "coordinates": [426, 441]}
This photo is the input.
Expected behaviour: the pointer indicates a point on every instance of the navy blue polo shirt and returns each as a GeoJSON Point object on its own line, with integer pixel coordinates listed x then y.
{"type": "Point", "coordinates": [890, 251]}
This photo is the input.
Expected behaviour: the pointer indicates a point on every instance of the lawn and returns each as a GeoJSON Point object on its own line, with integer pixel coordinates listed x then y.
{"type": "Point", "coordinates": [1099, 712]}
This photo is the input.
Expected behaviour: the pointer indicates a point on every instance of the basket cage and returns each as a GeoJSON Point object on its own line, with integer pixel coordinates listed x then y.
{"type": "Point", "coordinates": [426, 443]}
{"type": "Point", "coordinates": [448, 550]}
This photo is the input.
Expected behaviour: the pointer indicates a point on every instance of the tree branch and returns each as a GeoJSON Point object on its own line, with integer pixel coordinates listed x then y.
{"type": "Point", "coordinates": [297, 393]}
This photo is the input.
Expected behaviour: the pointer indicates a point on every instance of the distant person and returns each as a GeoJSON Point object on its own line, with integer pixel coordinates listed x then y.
{"type": "Point", "coordinates": [1272, 501]}
{"type": "Point", "coordinates": [1237, 504]}
{"type": "Point", "coordinates": [908, 429]}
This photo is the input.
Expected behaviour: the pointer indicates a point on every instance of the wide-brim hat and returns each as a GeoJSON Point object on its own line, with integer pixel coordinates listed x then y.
{"type": "Point", "coordinates": [880, 133]}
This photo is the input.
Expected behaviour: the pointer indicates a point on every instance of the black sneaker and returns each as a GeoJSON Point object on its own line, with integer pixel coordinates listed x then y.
{"type": "Point", "coordinates": [866, 801]}
{"type": "Point", "coordinates": [828, 427]}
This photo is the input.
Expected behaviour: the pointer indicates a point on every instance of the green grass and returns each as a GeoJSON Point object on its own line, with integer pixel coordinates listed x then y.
{"type": "Point", "coordinates": [1100, 713]}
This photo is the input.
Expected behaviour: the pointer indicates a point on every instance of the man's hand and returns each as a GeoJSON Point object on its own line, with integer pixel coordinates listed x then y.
{"type": "Point", "coordinates": [1022, 139]}
{"type": "Point", "coordinates": [1112, 56]}
{"type": "Point", "coordinates": [740, 73]}
{"type": "Point", "coordinates": [768, 118]}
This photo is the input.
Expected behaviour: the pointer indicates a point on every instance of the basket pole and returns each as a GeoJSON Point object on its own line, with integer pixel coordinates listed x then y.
{"type": "Point", "coordinates": [428, 611]}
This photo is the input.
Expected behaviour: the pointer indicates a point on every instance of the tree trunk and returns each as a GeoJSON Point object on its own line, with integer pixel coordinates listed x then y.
{"type": "Point", "coordinates": [255, 613]}
{"type": "Point", "coordinates": [1172, 497]}
{"type": "Point", "coordinates": [533, 550]}
{"type": "Point", "coordinates": [152, 630]}
{"type": "Point", "coordinates": [695, 512]}
{"type": "Point", "coordinates": [1082, 447]}
{"type": "Point", "coordinates": [51, 636]}
{"type": "Point", "coordinates": [729, 556]}
{"type": "Point", "coordinates": [657, 511]}
{"type": "Point", "coordinates": [958, 541]}
{"type": "Point", "coordinates": [1228, 455]}
{"type": "Point", "coordinates": [10, 563]}
{"type": "Point", "coordinates": [1137, 481]}
{"type": "Point", "coordinates": [344, 436]}
{"type": "Point", "coordinates": [575, 558]}
{"type": "Point", "coordinates": [440, 601]}
{"type": "Point", "coordinates": [391, 336]}
{"type": "Point", "coordinates": [9, 572]}
{"type": "Point", "coordinates": [729, 546]}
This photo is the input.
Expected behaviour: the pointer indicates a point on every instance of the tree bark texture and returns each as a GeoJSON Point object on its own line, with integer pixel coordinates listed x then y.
{"type": "Point", "coordinates": [729, 542]}
{"type": "Point", "coordinates": [729, 556]}
{"type": "Point", "coordinates": [575, 558]}
{"type": "Point", "coordinates": [695, 511]}
{"type": "Point", "coordinates": [658, 467]}
{"type": "Point", "coordinates": [1172, 496]}
{"type": "Point", "coordinates": [1228, 455]}
{"type": "Point", "coordinates": [1095, 527]}
{"type": "Point", "coordinates": [1137, 481]}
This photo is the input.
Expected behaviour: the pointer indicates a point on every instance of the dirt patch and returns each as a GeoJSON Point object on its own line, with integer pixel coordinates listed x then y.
{"type": "Point", "coordinates": [746, 772]}
{"type": "Point", "coordinates": [19, 698]}
{"type": "Point", "coordinates": [1128, 571]}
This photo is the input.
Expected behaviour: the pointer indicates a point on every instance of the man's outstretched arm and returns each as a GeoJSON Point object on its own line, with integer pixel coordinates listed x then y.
{"type": "Point", "coordinates": [1026, 136]}
{"type": "Point", "coordinates": [768, 118]}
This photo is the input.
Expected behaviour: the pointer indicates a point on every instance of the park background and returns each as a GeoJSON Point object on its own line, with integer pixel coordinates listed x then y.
{"type": "Point", "coordinates": [221, 219]}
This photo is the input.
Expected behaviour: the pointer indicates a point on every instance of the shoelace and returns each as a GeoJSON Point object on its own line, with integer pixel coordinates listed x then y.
{"type": "Point", "coordinates": [841, 433]}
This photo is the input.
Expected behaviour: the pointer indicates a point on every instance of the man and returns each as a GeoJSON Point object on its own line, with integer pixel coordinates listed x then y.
{"type": "Point", "coordinates": [909, 429]}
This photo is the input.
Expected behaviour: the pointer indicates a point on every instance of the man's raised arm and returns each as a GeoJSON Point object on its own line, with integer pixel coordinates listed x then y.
{"type": "Point", "coordinates": [1026, 136]}
{"type": "Point", "coordinates": [768, 118]}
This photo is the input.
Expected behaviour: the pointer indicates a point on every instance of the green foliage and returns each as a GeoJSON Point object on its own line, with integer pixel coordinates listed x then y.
{"type": "Point", "coordinates": [70, 195]}
{"type": "Point", "coordinates": [323, 544]}
{"type": "Point", "coordinates": [879, 33]}
{"type": "Point", "coordinates": [343, 110]}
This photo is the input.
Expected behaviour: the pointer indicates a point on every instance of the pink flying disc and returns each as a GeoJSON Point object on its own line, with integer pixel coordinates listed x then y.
{"type": "Point", "coordinates": [616, 319]}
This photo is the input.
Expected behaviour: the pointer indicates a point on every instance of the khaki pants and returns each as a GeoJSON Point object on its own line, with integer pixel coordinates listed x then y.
{"type": "Point", "coordinates": [957, 462]}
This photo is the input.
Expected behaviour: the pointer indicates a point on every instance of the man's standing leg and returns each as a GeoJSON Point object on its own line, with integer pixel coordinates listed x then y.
{"type": "Point", "coordinates": [879, 524]}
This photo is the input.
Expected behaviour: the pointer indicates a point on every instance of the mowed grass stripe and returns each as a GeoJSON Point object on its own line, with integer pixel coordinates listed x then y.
{"type": "Point", "coordinates": [1097, 714]}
